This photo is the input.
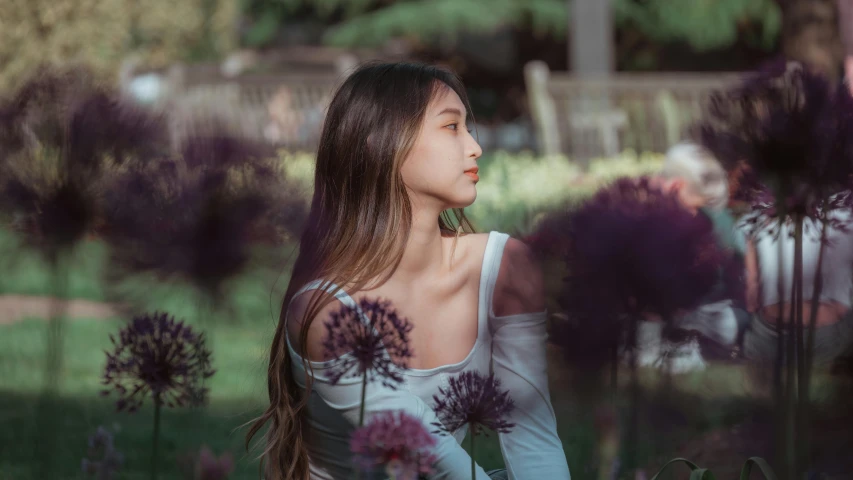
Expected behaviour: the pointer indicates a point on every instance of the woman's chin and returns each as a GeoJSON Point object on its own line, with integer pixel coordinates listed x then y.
{"type": "Point", "coordinates": [466, 201]}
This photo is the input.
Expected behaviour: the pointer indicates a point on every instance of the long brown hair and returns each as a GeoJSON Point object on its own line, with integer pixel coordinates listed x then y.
{"type": "Point", "coordinates": [357, 228]}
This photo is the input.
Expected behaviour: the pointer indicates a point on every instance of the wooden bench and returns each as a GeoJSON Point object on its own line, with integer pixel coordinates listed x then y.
{"type": "Point", "coordinates": [585, 118]}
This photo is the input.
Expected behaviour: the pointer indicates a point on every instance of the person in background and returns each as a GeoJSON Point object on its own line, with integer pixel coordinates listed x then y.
{"type": "Point", "coordinates": [701, 184]}
{"type": "Point", "coordinates": [834, 330]}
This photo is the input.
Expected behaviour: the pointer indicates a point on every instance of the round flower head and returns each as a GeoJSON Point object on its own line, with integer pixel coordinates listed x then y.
{"type": "Point", "coordinates": [634, 248]}
{"type": "Point", "coordinates": [191, 217]}
{"type": "Point", "coordinates": [104, 128]}
{"type": "Point", "coordinates": [378, 342]}
{"type": "Point", "coordinates": [36, 112]}
{"type": "Point", "coordinates": [56, 139]}
{"type": "Point", "coordinates": [396, 441]}
{"type": "Point", "coordinates": [631, 249]}
{"type": "Point", "coordinates": [792, 130]}
{"type": "Point", "coordinates": [475, 400]}
{"type": "Point", "coordinates": [55, 214]}
{"type": "Point", "coordinates": [156, 355]}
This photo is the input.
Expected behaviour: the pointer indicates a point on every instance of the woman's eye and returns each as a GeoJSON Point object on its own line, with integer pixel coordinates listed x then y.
{"type": "Point", "coordinates": [453, 126]}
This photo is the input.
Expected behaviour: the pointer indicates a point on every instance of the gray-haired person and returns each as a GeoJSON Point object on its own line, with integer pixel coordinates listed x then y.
{"type": "Point", "coordinates": [701, 184]}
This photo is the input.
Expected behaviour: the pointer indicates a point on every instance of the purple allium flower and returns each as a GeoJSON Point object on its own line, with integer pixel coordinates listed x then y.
{"type": "Point", "coordinates": [194, 216]}
{"type": "Point", "coordinates": [183, 233]}
{"type": "Point", "coordinates": [794, 132]}
{"type": "Point", "coordinates": [102, 460]}
{"type": "Point", "coordinates": [633, 248]}
{"type": "Point", "coordinates": [379, 345]}
{"type": "Point", "coordinates": [396, 441]}
{"type": "Point", "coordinates": [59, 131]}
{"type": "Point", "coordinates": [220, 151]}
{"type": "Point", "coordinates": [158, 356]}
{"type": "Point", "coordinates": [35, 113]}
{"type": "Point", "coordinates": [51, 208]}
{"type": "Point", "coordinates": [52, 215]}
{"type": "Point", "coordinates": [104, 127]}
{"type": "Point", "coordinates": [64, 110]}
{"type": "Point", "coordinates": [476, 400]}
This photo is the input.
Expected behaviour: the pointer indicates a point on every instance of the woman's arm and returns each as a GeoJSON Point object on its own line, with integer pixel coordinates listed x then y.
{"type": "Point", "coordinates": [751, 261]}
{"type": "Point", "coordinates": [532, 450]}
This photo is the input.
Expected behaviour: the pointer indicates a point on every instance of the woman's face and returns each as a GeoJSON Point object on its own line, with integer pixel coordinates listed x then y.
{"type": "Point", "coordinates": [441, 169]}
{"type": "Point", "coordinates": [688, 198]}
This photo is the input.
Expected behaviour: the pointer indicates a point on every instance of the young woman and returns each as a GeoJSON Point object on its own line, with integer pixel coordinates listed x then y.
{"type": "Point", "coordinates": [395, 167]}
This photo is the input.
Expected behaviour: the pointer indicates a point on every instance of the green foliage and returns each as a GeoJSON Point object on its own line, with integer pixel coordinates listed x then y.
{"type": "Point", "coordinates": [515, 189]}
{"type": "Point", "coordinates": [697, 473]}
{"type": "Point", "coordinates": [102, 33]}
{"type": "Point", "coordinates": [704, 24]}
{"type": "Point", "coordinates": [445, 19]}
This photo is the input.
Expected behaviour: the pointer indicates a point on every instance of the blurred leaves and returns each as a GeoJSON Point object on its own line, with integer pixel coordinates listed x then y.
{"type": "Point", "coordinates": [98, 32]}
{"type": "Point", "coordinates": [704, 24]}
{"type": "Point", "coordinates": [435, 19]}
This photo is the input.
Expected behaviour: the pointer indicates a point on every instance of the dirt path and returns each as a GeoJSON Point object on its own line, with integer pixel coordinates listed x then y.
{"type": "Point", "coordinates": [15, 308]}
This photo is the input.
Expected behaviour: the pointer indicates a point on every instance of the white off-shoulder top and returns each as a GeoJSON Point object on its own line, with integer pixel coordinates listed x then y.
{"type": "Point", "coordinates": [513, 347]}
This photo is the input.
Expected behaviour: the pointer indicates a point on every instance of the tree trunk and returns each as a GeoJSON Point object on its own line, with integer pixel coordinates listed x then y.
{"type": "Point", "coordinates": [810, 34]}
{"type": "Point", "coordinates": [591, 32]}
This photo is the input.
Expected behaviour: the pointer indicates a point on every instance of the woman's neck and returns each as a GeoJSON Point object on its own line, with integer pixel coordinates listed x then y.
{"type": "Point", "coordinates": [425, 253]}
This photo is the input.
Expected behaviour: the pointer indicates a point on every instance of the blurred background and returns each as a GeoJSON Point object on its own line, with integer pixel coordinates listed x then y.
{"type": "Point", "coordinates": [270, 64]}
{"type": "Point", "coordinates": [566, 94]}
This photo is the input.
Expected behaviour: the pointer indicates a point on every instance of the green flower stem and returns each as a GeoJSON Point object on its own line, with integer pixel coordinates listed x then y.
{"type": "Point", "coordinates": [798, 364]}
{"type": "Point", "coordinates": [363, 397]}
{"type": "Point", "coordinates": [361, 413]}
{"type": "Point", "coordinates": [805, 384]}
{"type": "Point", "coordinates": [46, 437]}
{"type": "Point", "coordinates": [155, 441]}
{"type": "Point", "coordinates": [473, 464]}
{"type": "Point", "coordinates": [779, 363]}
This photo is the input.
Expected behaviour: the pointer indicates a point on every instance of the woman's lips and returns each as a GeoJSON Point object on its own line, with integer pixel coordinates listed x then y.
{"type": "Point", "coordinates": [472, 173]}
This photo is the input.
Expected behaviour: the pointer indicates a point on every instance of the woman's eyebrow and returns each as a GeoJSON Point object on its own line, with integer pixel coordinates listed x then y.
{"type": "Point", "coordinates": [452, 110]}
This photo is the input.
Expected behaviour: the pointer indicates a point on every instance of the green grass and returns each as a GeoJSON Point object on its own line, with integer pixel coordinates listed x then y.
{"type": "Point", "coordinates": [251, 298]}
{"type": "Point", "coordinates": [237, 395]}
{"type": "Point", "coordinates": [25, 271]}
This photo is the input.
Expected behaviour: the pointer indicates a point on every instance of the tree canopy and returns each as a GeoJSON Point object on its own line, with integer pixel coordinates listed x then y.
{"type": "Point", "coordinates": [100, 33]}
{"type": "Point", "coordinates": [703, 24]}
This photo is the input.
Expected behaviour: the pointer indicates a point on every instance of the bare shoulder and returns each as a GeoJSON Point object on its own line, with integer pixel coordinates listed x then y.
{"type": "Point", "coordinates": [475, 240]}
{"type": "Point", "coordinates": [520, 286]}
{"type": "Point", "coordinates": [296, 313]}
{"type": "Point", "coordinates": [469, 251]}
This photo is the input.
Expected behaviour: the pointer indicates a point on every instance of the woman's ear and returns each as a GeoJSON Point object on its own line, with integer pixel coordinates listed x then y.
{"type": "Point", "coordinates": [677, 184]}
{"type": "Point", "coordinates": [670, 184]}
